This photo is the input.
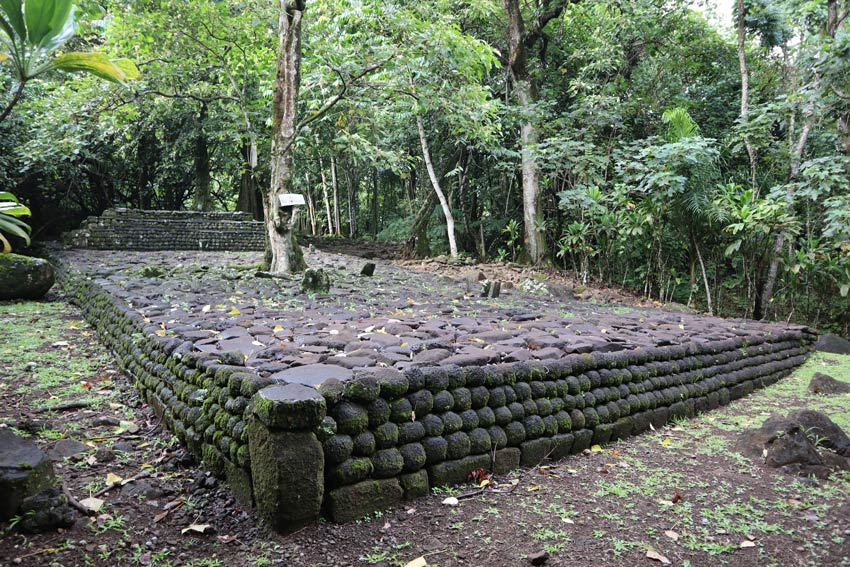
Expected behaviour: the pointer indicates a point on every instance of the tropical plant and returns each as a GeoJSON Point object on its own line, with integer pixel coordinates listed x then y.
{"type": "Point", "coordinates": [11, 211]}
{"type": "Point", "coordinates": [31, 31]}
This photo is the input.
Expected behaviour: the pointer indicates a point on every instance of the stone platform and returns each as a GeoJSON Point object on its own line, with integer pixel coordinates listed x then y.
{"type": "Point", "coordinates": [136, 229]}
{"type": "Point", "coordinates": [345, 403]}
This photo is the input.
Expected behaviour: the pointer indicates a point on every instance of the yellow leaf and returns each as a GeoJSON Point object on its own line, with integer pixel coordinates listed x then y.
{"type": "Point", "coordinates": [665, 442]}
{"type": "Point", "coordinates": [93, 504]}
{"type": "Point", "coordinates": [277, 328]}
{"type": "Point", "coordinates": [160, 333]}
{"type": "Point", "coordinates": [596, 448]}
{"type": "Point", "coordinates": [747, 543]}
{"type": "Point", "coordinates": [206, 308]}
{"type": "Point", "coordinates": [234, 311]}
{"type": "Point", "coordinates": [112, 478]}
{"type": "Point", "coordinates": [418, 562]}
{"type": "Point", "coordinates": [534, 488]}
{"type": "Point", "coordinates": [672, 535]}
{"type": "Point", "coordinates": [483, 483]}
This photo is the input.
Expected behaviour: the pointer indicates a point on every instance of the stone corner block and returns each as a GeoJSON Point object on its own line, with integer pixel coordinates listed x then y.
{"type": "Point", "coordinates": [287, 473]}
{"type": "Point", "coordinates": [289, 407]}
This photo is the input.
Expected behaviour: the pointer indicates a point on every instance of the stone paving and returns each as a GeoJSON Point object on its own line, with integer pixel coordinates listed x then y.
{"type": "Point", "coordinates": [396, 318]}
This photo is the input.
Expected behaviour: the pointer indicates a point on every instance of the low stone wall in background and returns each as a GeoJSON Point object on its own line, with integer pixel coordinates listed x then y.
{"type": "Point", "coordinates": [134, 229]}
{"type": "Point", "coordinates": [347, 448]}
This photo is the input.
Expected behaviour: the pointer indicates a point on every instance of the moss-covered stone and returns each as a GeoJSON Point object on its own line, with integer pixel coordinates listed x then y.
{"type": "Point", "coordinates": [363, 388]}
{"type": "Point", "coordinates": [443, 402]}
{"type": "Point", "coordinates": [458, 445]}
{"type": "Point", "coordinates": [456, 471]}
{"type": "Point", "coordinates": [422, 401]}
{"type": "Point", "coordinates": [515, 433]}
{"type": "Point", "coordinates": [378, 411]}
{"type": "Point", "coordinates": [433, 425]}
{"type": "Point", "coordinates": [364, 444]}
{"type": "Point", "coordinates": [602, 433]}
{"type": "Point", "coordinates": [351, 419]}
{"type": "Point", "coordinates": [451, 422]}
{"type": "Point", "coordinates": [289, 407]}
{"type": "Point", "coordinates": [349, 503]}
{"type": "Point", "coordinates": [287, 471]}
{"type": "Point", "coordinates": [506, 460]}
{"type": "Point", "coordinates": [479, 441]}
{"type": "Point", "coordinates": [387, 463]}
{"type": "Point", "coordinates": [581, 440]}
{"type": "Point", "coordinates": [23, 277]}
{"type": "Point", "coordinates": [401, 410]}
{"type": "Point", "coordinates": [415, 485]}
{"type": "Point", "coordinates": [386, 435]}
{"type": "Point", "coordinates": [534, 451]}
{"type": "Point", "coordinates": [410, 432]}
{"type": "Point", "coordinates": [462, 399]}
{"type": "Point", "coordinates": [436, 449]}
{"type": "Point", "coordinates": [350, 471]}
{"type": "Point", "coordinates": [414, 456]}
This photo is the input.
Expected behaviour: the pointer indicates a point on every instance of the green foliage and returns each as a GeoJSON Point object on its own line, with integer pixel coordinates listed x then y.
{"type": "Point", "coordinates": [11, 211]}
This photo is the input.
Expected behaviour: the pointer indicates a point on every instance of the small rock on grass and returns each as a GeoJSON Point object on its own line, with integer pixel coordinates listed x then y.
{"type": "Point", "coordinates": [539, 558]}
{"type": "Point", "coordinates": [823, 384]}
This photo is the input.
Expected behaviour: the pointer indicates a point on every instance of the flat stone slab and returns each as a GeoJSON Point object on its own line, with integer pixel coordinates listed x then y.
{"type": "Point", "coordinates": [396, 318]}
{"type": "Point", "coordinates": [24, 471]}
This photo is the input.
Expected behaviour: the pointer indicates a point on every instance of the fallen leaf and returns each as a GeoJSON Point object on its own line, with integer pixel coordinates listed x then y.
{"type": "Point", "coordinates": [655, 556]}
{"type": "Point", "coordinates": [596, 449]}
{"type": "Point", "coordinates": [567, 521]}
{"type": "Point", "coordinates": [197, 528]}
{"type": "Point", "coordinates": [60, 344]}
{"type": "Point", "coordinates": [206, 308]}
{"type": "Point", "coordinates": [484, 483]}
{"type": "Point", "coordinates": [93, 504]}
{"type": "Point", "coordinates": [418, 562]}
{"type": "Point", "coordinates": [672, 535]}
{"type": "Point", "coordinates": [676, 497]}
{"type": "Point", "coordinates": [234, 311]}
{"type": "Point", "coordinates": [652, 427]}
{"type": "Point", "coordinates": [226, 538]}
{"type": "Point", "coordinates": [665, 442]}
{"type": "Point", "coordinates": [451, 501]}
{"type": "Point", "coordinates": [746, 543]}
{"type": "Point", "coordinates": [112, 478]}
{"type": "Point", "coordinates": [145, 558]}
{"type": "Point", "coordinates": [534, 488]}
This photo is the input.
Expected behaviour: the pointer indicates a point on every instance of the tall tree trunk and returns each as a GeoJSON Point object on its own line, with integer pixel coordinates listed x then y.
{"type": "Point", "coordinates": [311, 208]}
{"type": "Point", "coordinates": [203, 178]}
{"type": "Point", "coordinates": [335, 184]}
{"type": "Point", "coordinates": [435, 183]}
{"type": "Point", "coordinates": [745, 92]}
{"type": "Point", "coordinates": [248, 200]}
{"type": "Point", "coordinates": [283, 253]}
{"type": "Point", "coordinates": [325, 197]}
{"type": "Point", "coordinates": [352, 206]}
{"type": "Point", "coordinates": [519, 41]}
{"type": "Point", "coordinates": [374, 223]}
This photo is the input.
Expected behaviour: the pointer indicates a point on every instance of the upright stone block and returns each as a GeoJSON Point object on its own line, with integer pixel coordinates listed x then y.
{"type": "Point", "coordinates": [287, 460]}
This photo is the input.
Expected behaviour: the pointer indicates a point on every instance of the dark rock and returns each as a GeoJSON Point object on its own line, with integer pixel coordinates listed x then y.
{"type": "Point", "coordinates": [818, 426]}
{"type": "Point", "coordinates": [312, 374]}
{"type": "Point", "coordinates": [290, 406]}
{"type": "Point", "coordinates": [65, 449]}
{"type": "Point", "coordinates": [368, 269]}
{"type": "Point", "coordinates": [143, 489]}
{"type": "Point", "coordinates": [123, 447]}
{"type": "Point", "coordinates": [539, 558]}
{"type": "Point", "coordinates": [833, 343]}
{"type": "Point", "coordinates": [45, 511]}
{"type": "Point", "coordinates": [23, 277]}
{"type": "Point", "coordinates": [823, 384]}
{"type": "Point", "coordinates": [24, 471]}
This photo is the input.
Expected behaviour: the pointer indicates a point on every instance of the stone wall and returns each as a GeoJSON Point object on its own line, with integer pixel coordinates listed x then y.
{"type": "Point", "coordinates": [133, 229]}
{"type": "Point", "coordinates": [348, 448]}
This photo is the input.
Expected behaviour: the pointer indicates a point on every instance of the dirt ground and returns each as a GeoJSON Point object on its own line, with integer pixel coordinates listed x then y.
{"type": "Point", "coordinates": [679, 495]}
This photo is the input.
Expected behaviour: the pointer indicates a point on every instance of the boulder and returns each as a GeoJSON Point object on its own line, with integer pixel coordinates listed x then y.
{"type": "Point", "coordinates": [24, 471]}
{"type": "Point", "coordinates": [823, 384]}
{"type": "Point", "coordinates": [805, 443]}
{"type": "Point", "coordinates": [23, 277]}
{"type": "Point", "coordinates": [833, 344]}
{"type": "Point", "coordinates": [316, 281]}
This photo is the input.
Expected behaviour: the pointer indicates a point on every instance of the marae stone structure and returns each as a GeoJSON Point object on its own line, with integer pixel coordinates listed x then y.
{"type": "Point", "coordinates": [345, 403]}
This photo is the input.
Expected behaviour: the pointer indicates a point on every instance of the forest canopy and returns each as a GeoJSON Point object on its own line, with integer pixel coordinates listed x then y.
{"type": "Point", "coordinates": [633, 143]}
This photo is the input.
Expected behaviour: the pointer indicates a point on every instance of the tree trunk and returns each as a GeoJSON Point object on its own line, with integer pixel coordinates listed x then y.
{"type": "Point", "coordinates": [335, 184]}
{"type": "Point", "coordinates": [325, 197]}
{"type": "Point", "coordinates": [249, 198]}
{"type": "Point", "coordinates": [352, 206]}
{"type": "Point", "coordinates": [745, 92]}
{"type": "Point", "coordinates": [283, 254]}
{"type": "Point", "coordinates": [203, 178]}
{"type": "Point", "coordinates": [435, 183]}
{"type": "Point", "coordinates": [374, 227]}
{"type": "Point", "coordinates": [417, 245]}
{"type": "Point", "coordinates": [526, 91]}
{"type": "Point", "coordinates": [311, 208]}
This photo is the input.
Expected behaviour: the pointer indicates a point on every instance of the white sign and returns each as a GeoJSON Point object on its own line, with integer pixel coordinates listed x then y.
{"type": "Point", "coordinates": [291, 199]}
